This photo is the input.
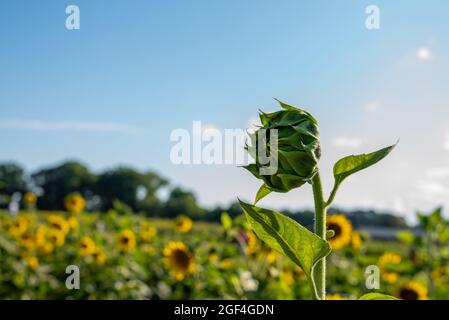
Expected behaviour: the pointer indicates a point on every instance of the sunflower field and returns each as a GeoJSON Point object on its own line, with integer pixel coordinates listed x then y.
{"type": "Point", "coordinates": [133, 257]}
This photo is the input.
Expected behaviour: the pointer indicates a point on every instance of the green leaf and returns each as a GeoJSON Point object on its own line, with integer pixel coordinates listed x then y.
{"type": "Point", "coordinates": [377, 296]}
{"type": "Point", "coordinates": [288, 237]}
{"type": "Point", "coordinates": [226, 221]}
{"type": "Point", "coordinates": [264, 190]}
{"type": "Point", "coordinates": [349, 165]}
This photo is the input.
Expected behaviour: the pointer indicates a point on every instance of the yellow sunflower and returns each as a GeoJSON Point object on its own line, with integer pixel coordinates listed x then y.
{"type": "Point", "coordinates": [356, 240]}
{"type": "Point", "coordinates": [342, 228]}
{"type": "Point", "coordinates": [213, 257]}
{"type": "Point", "coordinates": [226, 263]}
{"type": "Point", "coordinates": [387, 260]}
{"type": "Point", "coordinates": [272, 256]}
{"type": "Point", "coordinates": [56, 237]}
{"type": "Point", "coordinates": [19, 226]}
{"type": "Point", "coordinates": [29, 198]}
{"type": "Point", "coordinates": [438, 275]}
{"type": "Point", "coordinates": [42, 242]}
{"type": "Point", "coordinates": [412, 291]}
{"type": "Point", "coordinates": [74, 202]}
{"type": "Point", "coordinates": [126, 240]}
{"type": "Point", "coordinates": [183, 224]}
{"type": "Point", "coordinates": [58, 222]}
{"type": "Point", "coordinates": [287, 276]}
{"type": "Point", "coordinates": [179, 260]}
{"type": "Point", "coordinates": [32, 262]}
{"type": "Point", "coordinates": [47, 248]}
{"type": "Point", "coordinates": [336, 296]}
{"type": "Point", "coordinates": [99, 256]}
{"type": "Point", "coordinates": [73, 223]}
{"type": "Point", "coordinates": [147, 231]}
{"type": "Point", "coordinates": [27, 240]}
{"type": "Point", "coordinates": [251, 242]}
{"type": "Point", "coordinates": [86, 246]}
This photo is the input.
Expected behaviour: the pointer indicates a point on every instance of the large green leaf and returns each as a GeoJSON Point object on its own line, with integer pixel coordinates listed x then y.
{"type": "Point", "coordinates": [377, 296]}
{"type": "Point", "coordinates": [349, 165]}
{"type": "Point", "coordinates": [287, 237]}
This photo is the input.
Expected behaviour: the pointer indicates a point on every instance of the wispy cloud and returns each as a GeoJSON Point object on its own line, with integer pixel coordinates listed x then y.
{"type": "Point", "coordinates": [79, 126]}
{"type": "Point", "coordinates": [438, 173]}
{"type": "Point", "coordinates": [424, 54]}
{"type": "Point", "coordinates": [420, 55]}
{"type": "Point", "coordinates": [347, 142]}
{"type": "Point", "coordinates": [434, 188]}
{"type": "Point", "coordinates": [372, 106]}
{"type": "Point", "coordinates": [446, 143]}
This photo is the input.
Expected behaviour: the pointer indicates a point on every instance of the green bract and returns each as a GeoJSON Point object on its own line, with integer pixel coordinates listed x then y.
{"type": "Point", "coordinates": [296, 149]}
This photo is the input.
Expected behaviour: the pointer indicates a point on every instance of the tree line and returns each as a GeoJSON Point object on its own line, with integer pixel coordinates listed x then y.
{"type": "Point", "coordinates": [102, 191]}
{"type": "Point", "coordinates": [126, 189]}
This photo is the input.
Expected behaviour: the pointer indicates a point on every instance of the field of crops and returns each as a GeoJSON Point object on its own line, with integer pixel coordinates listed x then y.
{"type": "Point", "coordinates": [132, 257]}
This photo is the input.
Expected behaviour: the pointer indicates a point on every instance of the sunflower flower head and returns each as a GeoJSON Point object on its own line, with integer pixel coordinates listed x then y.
{"type": "Point", "coordinates": [335, 296]}
{"type": "Point", "coordinates": [385, 262]}
{"type": "Point", "coordinates": [126, 240]}
{"type": "Point", "coordinates": [147, 231]}
{"type": "Point", "coordinates": [29, 198]}
{"type": "Point", "coordinates": [342, 228]}
{"type": "Point", "coordinates": [412, 290]}
{"type": "Point", "coordinates": [179, 260]}
{"type": "Point", "coordinates": [27, 240]}
{"type": "Point", "coordinates": [32, 262]}
{"type": "Point", "coordinates": [183, 224]}
{"type": "Point", "coordinates": [86, 246]}
{"type": "Point", "coordinates": [287, 276]}
{"type": "Point", "coordinates": [73, 223]}
{"type": "Point", "coordinates": [356, 240]}
{"type": "Point", "coordinates": [99, 256]}
{"type": "Point", "coordinates": [74, 202]}
{"type": "Point", "coordinates": [272, 256]}
{"type": "Point", "coordinates": [58, 222]}
{"type": "Point", "coordinates": [19, 226]}
{"type": "Point", "coordinates": [251, 242]}
{"type": "Point", "coordinates": [56, 237]}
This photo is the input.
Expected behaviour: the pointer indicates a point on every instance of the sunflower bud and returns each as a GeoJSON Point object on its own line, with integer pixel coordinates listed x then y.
{"type": "Point", "coordinates": [291, 138]}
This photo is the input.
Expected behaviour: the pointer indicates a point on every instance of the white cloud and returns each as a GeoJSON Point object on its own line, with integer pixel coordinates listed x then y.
{"type": "Point", "coordinates": [347, 142]}
{"type": "Point", "coordinates": [446, 143]}
{"type": "Point", "coordinates": [424, 54]}
{"type": "Point", "coordinates": [438, 173]}
{"type": "Point", "coordinates": [79, 126]}
{"type": "Point", "coordinates": [433, 188]}
{"type": "Point", "coordinates": [372, 106]}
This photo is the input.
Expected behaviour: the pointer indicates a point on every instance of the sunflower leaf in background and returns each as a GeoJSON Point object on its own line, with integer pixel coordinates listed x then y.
{"type": "Point", "coordinates": [349, 165]}
{"type": "Point", "coordinates": [226, 221]}
{"type": "Point", "coordinates": [287, 236]}
{"type": "Point", "coordinates": [377, 296]}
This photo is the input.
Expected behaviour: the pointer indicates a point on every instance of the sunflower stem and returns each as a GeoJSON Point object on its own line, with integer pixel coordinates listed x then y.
{"type": "Point", "coordinates": [320, 230]}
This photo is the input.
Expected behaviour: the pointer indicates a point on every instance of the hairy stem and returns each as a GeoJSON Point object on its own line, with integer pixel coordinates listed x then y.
{"type": "Point", "coordinates": [320, 230]}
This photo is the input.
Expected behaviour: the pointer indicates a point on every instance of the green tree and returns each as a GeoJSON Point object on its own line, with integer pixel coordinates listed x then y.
{"type": "Point", "coordinates": [137, 190]}
{"type": "Point", "coordinates": [12, 178]}
{"type": "Point", "coordinates": [182, 202]}
{"type": "Point", "coordinates": [59, 181]}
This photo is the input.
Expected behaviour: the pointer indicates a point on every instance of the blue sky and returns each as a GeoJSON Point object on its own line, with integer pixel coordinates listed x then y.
{"type": "Point", "coordinates": [112, 92]}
